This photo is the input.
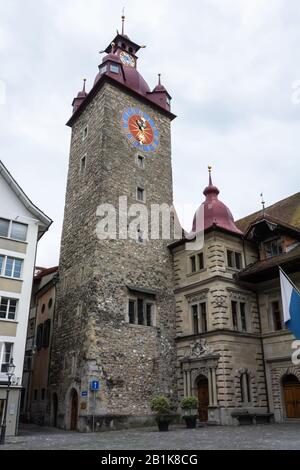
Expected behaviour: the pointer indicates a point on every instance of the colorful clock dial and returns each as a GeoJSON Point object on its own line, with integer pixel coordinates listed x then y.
{"type": "Point", "coordinates": [127, 59]}
{"type": "Point", "coordinates": [140, 130]}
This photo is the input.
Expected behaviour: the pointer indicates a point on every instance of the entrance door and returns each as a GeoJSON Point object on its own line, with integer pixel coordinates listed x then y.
{"type": "Point", "coordinates": [203, 398]}
{"type": "Point", "coordinates": [74, 410]}
{"type": "Point", "coordinates": [291, 393]}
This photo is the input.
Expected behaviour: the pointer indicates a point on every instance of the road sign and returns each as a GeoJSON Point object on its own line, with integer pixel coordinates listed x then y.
{"type": "Point", "coordinates": [95, 385]}
{"type": "Point", "coordinates": [84, 393]}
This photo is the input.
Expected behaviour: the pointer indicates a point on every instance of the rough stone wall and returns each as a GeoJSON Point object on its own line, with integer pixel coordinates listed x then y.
{"type": "Point", "coordinates": [92, 337]}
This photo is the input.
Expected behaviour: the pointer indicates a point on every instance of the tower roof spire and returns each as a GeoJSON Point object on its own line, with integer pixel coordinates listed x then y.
{"type": "Point", "coordinates": [123, 21]}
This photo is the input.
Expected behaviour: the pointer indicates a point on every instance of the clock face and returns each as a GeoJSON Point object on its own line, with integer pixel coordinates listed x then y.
{"type": "Point", "coordinates": [127, 59]}
{"type": "Point", "coordinates": [140, 130]}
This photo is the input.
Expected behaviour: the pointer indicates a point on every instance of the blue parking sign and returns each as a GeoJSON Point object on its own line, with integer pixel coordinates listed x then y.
{"type": "Point", "coordinates": [95, 385]}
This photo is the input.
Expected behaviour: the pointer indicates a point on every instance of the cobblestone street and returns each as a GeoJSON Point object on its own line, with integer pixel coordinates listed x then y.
{"type": "Point", "coordinates": [275, 436]}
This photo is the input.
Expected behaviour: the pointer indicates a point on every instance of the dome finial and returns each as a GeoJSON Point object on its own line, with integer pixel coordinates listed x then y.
{"type": "Point", "coordinates": [84, 83]}
{"type": "Point", "coordinates": [159, 78]}
{"type": "Point", "coordinates": [123, 21]}
{"type": "Point", "coordinates": [209, 171]}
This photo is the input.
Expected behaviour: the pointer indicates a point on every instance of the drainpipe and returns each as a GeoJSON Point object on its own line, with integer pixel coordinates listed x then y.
{"type": "Point", "coordinates": [263, 352]}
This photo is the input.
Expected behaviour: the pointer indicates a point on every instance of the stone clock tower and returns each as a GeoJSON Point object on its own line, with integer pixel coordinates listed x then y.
{"type": "Point", "coordinates": [115, 317]}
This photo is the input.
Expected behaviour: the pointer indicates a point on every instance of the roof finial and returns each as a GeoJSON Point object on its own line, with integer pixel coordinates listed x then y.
{"type": "Point", "coordinates": [210, 179]}
{"type": "Point", "coordinates": [159, 78]}
{"type": "Point", "coordinates": [84, 83]}
{"type": "Point", "coordinates": [263, 203]}
{"type": "Point", "coordinates": [123, 21]}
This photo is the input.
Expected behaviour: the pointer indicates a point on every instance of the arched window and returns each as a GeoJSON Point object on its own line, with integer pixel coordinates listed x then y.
{"type": "Point", "coordinates": [245, 388]}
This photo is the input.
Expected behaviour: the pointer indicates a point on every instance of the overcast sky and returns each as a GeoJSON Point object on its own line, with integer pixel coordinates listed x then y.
{"type": "Point", "coordinates": [230, 66]}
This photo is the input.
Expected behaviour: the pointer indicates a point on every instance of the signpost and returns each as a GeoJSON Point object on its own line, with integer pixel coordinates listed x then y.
{"type": "Point", "coordinates": [95, 387]}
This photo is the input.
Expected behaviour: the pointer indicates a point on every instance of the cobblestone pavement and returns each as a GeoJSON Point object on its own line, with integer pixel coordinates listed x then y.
{"type": "Point", "coordinates": [272, 436]}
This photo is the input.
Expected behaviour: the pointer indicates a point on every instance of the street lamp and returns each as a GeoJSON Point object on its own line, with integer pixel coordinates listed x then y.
{"type": "Point", "coordinates": [10, 373]}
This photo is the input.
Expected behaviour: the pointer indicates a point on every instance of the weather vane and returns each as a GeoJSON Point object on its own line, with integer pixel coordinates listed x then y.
{"type": "Point", "coordinates": [263, 202]}
{"type": "Point", "coordinates": [123, 21]}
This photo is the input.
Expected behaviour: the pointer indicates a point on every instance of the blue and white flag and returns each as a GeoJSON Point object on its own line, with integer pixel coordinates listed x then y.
{"type": "Point", "coordinates": [290, 303]}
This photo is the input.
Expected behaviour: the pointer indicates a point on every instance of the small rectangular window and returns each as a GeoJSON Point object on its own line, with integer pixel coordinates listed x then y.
{"type": "Point", "coordinates": [103, 69]}
{"type": "Point", "coordinates": [234, 259]}
{"type": "Point", "coordinates": [201, 261]}
{"type": "Point", "coordinates": [85, 132]}
{"type": "Point", "coordinates": [5, 355]}
{"type": "Point", "coordinates": [238, 260]}
{"type": "Point", "coordinates": [195, 319]}
{"type": "Point", "coordinates": [35, 395]}
{"type": "Point", "coordinates": [141, 194]}
{"type": "Point", "coordinates": [83, 165]}
{"type": "Point", "coordinates": [276, 314]}
{"type": "Point", "coordinates": [4, 227]}
{"type": "Point", "coordinates": [141, 161]}
{"type": "Point", "coordinates": [149, 309]}
{"type": "Point", "coordinates": [46, 333]}
{"type": "Point", "coordinates": [8, 308]}
{"type": "Point", "coordinates": [193, 264]}
{"type": "Point", "coordinates": [39, 337]}
{"type": "Point", "coordinates": [273, 248]}
{"type": "Point", "coordinates": [114, 68]}
{"type": "Point", "coordinates": [140, 312]}
{"type": "Point", "coordinates": [18, 231]}
{"type": "Point", "coordinates": [131, 311]}
{"type": "Point", "coordinates": [203, 317]}
{"type": "Point", "coordinates": [243, 316]}
{"type": "Point", "coordinates": [43, 393]}
{"type": "Point", "coordinates": [234, 315]}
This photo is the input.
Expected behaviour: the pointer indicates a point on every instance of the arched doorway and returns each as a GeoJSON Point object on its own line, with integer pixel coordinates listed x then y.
{"type": "Point", "coordinates": [291, 394]}
{"type": "Point", "coordinates": [54, 410]}
{"type": "Point", "coordinates": [74, 410]}
{"type": "Point", "coordinates": [203, 397]}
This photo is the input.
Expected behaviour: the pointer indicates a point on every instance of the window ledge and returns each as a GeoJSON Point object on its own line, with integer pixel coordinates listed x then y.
{"type": "Point", "coordinates": [9, 321]}
{"type": "Point", "coordinates": [12, 278]}
{"type": "Point", "coordinates": [196, 272]}
{"type": "Point", "coordinates": [132, 325]}
{"type": "Point", "coordinates": [14, 240]}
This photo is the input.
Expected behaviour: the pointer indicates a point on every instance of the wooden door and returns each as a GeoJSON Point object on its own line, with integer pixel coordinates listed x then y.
{"type": "Point", "coordinates": [203, 399]}
{"type": "Point", "coordinates": [292, 400]}
{"type": "Point", "coordinates": [74, 411]}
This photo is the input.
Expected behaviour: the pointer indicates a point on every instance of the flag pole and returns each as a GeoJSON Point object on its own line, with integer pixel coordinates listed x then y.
{"type": "Point", "coordinates": [295, 287]}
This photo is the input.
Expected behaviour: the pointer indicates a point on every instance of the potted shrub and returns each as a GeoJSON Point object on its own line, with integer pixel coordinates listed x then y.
{"type": "Point", "coordinates": [189, 405]}
{"type": "Point", "coordinates": [164, 416]}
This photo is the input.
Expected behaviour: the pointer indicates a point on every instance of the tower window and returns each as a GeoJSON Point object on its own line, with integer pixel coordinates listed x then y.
{"type": "Point", "coordinates": [239, 317]}
{"type": "Point", "coordinates": [196, 263]}
{"type": "Point", "coordinates": [123, 45]}
{"type": "Point", "coordinates": [114, 68]}
{"type": "Point", "coordinates": [201, 261]}
{"type": "Point", "coordinates": [83, 164]}
{"type": "Point", "coordinates": [141, 161]}
{"type": "Point", "coordinates": [141, 311]}
{"type": "Point", "coordinates": [130, 50]}
{"type": "Point", "coordinates": [85, 132]}
{"type": "Point", "coordinates": [103, 69]}
{"type": "Point", "coordinates": [243, 316]}
{"type": "Point", "coordinates": [140, 194]}
{"type": "Point", "coordinates": [195, 319]}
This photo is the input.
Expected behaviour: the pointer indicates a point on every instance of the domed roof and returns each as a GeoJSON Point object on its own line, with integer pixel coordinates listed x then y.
{"type": "Point", "coordinates": [213, 212]}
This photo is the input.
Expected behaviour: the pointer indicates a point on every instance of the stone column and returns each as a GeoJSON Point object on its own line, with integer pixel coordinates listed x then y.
{"type": "Point", "coordinates": [214, 386]}
{"type": "Point", "coordinates": [210, 388]}
{"type": "Point", "coordinates": [188, 376]}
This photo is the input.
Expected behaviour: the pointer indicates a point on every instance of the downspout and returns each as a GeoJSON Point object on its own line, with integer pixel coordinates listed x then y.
{"type": "Point", "coordinates": [263, 353]}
